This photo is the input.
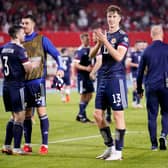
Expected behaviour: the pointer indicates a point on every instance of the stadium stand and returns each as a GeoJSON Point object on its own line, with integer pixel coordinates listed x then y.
{"type": "Point", "coordinates": [77, 15]}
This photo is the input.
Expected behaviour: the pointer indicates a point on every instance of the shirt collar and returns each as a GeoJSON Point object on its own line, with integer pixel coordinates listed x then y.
{"type": "Point", "coordinates": [30, 36]}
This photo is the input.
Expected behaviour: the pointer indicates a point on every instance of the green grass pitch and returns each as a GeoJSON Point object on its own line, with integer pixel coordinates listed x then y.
{"type": "Point", "coordinates": [75, 145]}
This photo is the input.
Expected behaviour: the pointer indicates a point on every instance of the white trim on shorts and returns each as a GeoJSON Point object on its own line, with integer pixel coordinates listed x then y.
{"type": "Point", "coordinates": [123, 93]}
{"type": "Point", "coordinates": [42, 91]}
{"type": "Point", "coordinates": [22, 95]}
{"type": "Point", "coordinates": [80, 86]}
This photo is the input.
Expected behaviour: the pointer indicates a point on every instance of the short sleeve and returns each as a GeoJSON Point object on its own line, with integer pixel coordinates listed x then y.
{"type": "Point", "coordinates": [124, 41]}
{"type": "Point", "coordinates": [22, 54]}
{"type": "Point", "coordinates": [77, 55]}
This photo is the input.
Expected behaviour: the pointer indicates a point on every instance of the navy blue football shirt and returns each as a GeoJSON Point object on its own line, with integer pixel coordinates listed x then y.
{"type": "Point", "coordinates": [13, 56]}
{"type": "Point", "coordinates": [82, 55]}
{"type": "Point", "coordinates": [111, 67]}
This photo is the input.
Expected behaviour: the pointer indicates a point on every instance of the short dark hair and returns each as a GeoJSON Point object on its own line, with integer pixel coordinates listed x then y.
{"type": "Point", "coordinates": [114, 8]}
{"type": "Point", "coordinates": [13, 30]}
{"type": "Point", "coordinates": [63, 50]}
{"type": "Point", "coordinates": [84, 35]}
{"type": "Point", "coordinates": [31, 17]}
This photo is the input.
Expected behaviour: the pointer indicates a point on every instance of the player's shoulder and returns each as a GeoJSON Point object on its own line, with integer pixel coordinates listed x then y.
{"type": "Point", "coordinates": [122, 32]}
{"type": "Point", "coordinates": [19, 48]}
{"type": "Point", "coordinates": [1, 47]}
{"type": "Point", "coordinates": [40, 37]}
{"type": "Point", "coordinates": [123, 35]}
{"type": "Point", "coordinates": [8, 48]}
{"type": "Point", "coordinates": [79, 48]}
{"type": "Point", "coordinates": [133, 53]}
{"type": "Point", "coordinates": [9, 44]}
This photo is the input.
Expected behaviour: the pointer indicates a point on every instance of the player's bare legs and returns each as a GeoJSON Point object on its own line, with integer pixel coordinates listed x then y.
{"type": "Point", "coordinates": [100, 119]}
{"type": "Point", "coordinates": [119, 119]}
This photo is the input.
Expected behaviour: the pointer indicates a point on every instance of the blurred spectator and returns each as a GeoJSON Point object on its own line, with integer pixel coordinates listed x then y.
{"type": "Point", "coordinates": [82, 20]}
{"type": "Point", "coordinates": [74, 15]}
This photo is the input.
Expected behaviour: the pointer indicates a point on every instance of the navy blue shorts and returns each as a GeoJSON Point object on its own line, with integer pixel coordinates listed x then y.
{"type": "Point", "coordinates": [111, 92]}
{"type": "Point", "coordinates": [85, 85]}
{"type": "Point", "coordinates": [35, 93]}
{"type": "Point", "coordinates": [14, 96]}
{"type": "Point", "coordinates": [66, 79]}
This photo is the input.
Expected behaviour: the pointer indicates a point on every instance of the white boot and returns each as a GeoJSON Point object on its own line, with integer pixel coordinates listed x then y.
{"type": "Point", "coordinates": [117, 155]}
{"type": "Point", "coordinates": [106, 153]}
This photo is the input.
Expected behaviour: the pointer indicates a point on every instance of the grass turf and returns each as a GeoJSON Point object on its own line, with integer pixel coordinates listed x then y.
{"type": "Point", "coordinates": [75, 145]}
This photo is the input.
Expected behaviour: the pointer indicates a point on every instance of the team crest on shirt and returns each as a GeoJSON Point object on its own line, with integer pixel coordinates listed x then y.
{"type": "Point", "coordinates": [126, 39]}
{"type": "Point", "coordinates": [113, 40]}
{"type": "Point", "coordinates": [122, 32]}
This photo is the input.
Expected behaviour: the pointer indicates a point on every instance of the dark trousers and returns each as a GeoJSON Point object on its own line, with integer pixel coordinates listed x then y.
{"type": "Point", "coordinates": [156, 98]}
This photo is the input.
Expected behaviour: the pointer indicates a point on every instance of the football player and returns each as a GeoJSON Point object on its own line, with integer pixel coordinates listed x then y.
{"type": "Point", "coordinates": [112, 82]}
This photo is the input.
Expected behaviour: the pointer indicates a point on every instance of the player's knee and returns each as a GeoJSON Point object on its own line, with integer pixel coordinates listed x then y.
{"type": "Point", "coordinates": [98, 116]}
{"type": "Point", "coordinates": [41, 111]}
{"type": "Point", "coordinates": [118, 115]}
{"type": "Point", "coordinates": [19, 117]}
{"type": "Point", "coordinates": [119, 118]}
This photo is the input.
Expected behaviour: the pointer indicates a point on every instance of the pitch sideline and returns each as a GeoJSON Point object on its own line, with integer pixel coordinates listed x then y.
{"type": "Point", "coordinates": [87, 137]}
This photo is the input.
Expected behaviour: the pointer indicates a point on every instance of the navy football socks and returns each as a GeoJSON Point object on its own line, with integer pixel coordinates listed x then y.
{"type": "Point", "coordinates": [106, 134]}
{"type": "Point", "coordinates": [17, 134]}
{"type": "Point", "coordinates": [9, 132]}
{"type": "Point", "coordinates": [27, 129]}
{"type": "Point", "coordinates": [44, 125]}
{"type": "Point", "coordinates": [134, 96]}
{"type": "Point", "coordinates": [82, 107]}
{"type": "Point", "coordinates": [119, 139]}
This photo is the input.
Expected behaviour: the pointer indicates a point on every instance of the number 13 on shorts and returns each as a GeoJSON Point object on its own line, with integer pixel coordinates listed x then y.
{"type": "Point", "coordinates": [116, 99]}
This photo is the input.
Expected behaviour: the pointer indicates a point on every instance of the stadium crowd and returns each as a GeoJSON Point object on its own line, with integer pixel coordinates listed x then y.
{"type": "Point", "coordinates": [76, 15]}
